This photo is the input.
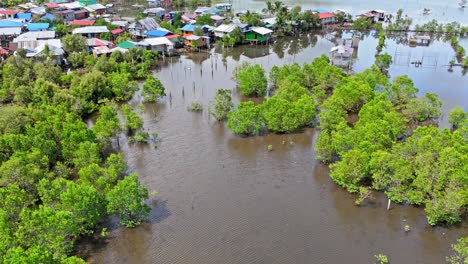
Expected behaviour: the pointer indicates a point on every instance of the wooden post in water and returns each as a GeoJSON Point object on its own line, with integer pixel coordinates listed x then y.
{"type": "Point", "coordinates": [388, 205]}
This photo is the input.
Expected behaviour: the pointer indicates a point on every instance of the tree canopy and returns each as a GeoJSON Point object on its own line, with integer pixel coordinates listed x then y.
{"type": "Point", "coordinates": [60, 178]}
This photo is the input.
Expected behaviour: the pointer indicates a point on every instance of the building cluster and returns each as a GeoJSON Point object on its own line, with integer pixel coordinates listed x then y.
{"type": "Point", "coordinates": [34, 28]}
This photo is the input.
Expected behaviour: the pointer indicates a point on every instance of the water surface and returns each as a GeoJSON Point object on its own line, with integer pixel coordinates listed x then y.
{"type": "Point", "coordinates": [226, 199]}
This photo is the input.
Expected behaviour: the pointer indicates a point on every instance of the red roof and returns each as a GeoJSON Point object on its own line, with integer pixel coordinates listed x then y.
{"type": "Point", "coordinates": [325, 15]}
{"type": "Point", "coordinates": [51, 5]}
{"type": "Point", "coordinates": [8, 12]}
{"type": "Point", "coordinates": [4, 51]}
{"type": "Point", "coordinates": [172, 36]}
{"type": "Point", "coordinates": [117, 31]}
{"type": "Point", "coordinates": [84, 22]}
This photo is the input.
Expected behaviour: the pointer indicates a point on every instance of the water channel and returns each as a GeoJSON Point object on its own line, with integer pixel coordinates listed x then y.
{"type": "Point", "coordinates": [226, 199]}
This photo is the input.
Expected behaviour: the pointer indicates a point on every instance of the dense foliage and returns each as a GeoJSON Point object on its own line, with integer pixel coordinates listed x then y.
{"type": "Point", "coordinates": [252, 80]}
{"type": "Point", "coordinates": [391, 145]}
{"type": "Point", "coordinates": [460, 249]}
{"type": "Point", "coordinates": [60, 179]}
{"type": "Point", "coordinates": [293, 105]}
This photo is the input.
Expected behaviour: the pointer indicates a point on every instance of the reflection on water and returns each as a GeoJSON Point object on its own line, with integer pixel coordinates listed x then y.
{"type": "Point", "coordinates": [226, 199]}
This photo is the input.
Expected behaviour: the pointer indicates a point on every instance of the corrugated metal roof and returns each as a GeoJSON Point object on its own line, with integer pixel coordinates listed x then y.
{"type": "Point", "coordinates": [158, 41]}
{"type": "Point", "coordinates": [126, 44]}
{"type": "Point", "coordinates": [96, 6]}
{"type": "Point", "coordinates": [25, 16]}
{"type": "Point", "coordinates": [149, 23]}
{"type": "Point", "coordinates": [262, 30]}
{"type": "Point", "coordinates": [121, 23]}
{"type": "Point", "coordinates": [226, 28]}
{"type": "Point", "coordinates": [117, 31]}
{"type": "Point", "coordinates": [157, 33]}
{"type": "Point", "coordinates": [90, 30]}
{"type": "Point", "coordinates": [95, 42]}
{"type": "Point", "coordinates": [193, 37]}
{"type": "Point", "coordinates": [32, 44]}
{"type": "Point", "coordinates": [101, 50]}
{"type": "Point", "coordinates": [10, 31]}
{"type": "Point", "coordinates": [9, 23]}
{"type": "Point", "coordinates": [84, 22]}
{"type": "Point", "coordinates": [33, 35]}
{"type": "Point", "coordinates": [37, 26]}
{"type": "Point", "coordinates": [189, 28]}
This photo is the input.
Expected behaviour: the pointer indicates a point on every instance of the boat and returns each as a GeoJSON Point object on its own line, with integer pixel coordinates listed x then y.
{"type": "Point", "coordinates": [427, 11]}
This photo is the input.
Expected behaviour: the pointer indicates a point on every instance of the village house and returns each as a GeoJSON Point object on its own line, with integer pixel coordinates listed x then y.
{"type": "Point", "coordinates": [7, 34]}
{"type": "Point", "coordinates": [33, 39]}
{"type": "Point", "coordinates": [218, 20]}
{"type": "Point", "coordinates": [139, 28]}
{"type": "Point", "coordinates": [224, 6]}
{"type": "Point", "coordinates": [66, 15]}
{"type": "Point", "coordinates": [226, 29]}
{"type": "Point", "coordinates": [96, 8]}
{"type": "Point", "coordinates": [91, 31]}
{"type": "Point", "coordinates": [162, 45]}
{"type": "Point", "coordinates": [95, 42]}
{"type": "Point", "coordinates": [46, 50]}
{"type": "Point", "coordinates": [199, 42]}
{"type": "Point", "coordinates": [374, 15]}
{"type": "Point", "coordinates": [81, 13]}
{"type": "Point", "coordinates": [379, 14]}
{"type": "Point", "coordinates": [202, 10]}
{"type": "Point", "coordinates": [123, 24]}
{"type": "Point", "coordinates": [326, 18]}
{"type": "Point", "coordinates": [158, 12]}
{"type": "Point", "coordinates": [259, 35]}
{"type": "Point", "coordinates": [188, 30]}
{"type": "Point", "coordinates": [8, 14]}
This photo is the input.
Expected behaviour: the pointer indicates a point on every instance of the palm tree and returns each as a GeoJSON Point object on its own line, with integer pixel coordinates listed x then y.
{"type": "Point", "coordinates": [269, 8]}
{"type": "Point", "coordinates": [277, 7]}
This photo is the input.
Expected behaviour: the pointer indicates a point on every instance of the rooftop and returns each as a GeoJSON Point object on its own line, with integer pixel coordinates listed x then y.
{"type": "Point", "coordinates": [90, 30]}
{"type": "Point", "coordinates": [158, 41]}
{"type": "Point", "coordinates": [84, 22]}
{"type": "Point", "coordinates": [37, 26]}
{"type": "Point", "coordinates": [325, 15]}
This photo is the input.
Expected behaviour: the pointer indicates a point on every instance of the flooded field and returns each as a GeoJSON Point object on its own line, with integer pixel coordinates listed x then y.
{"type": "Point", "coordinates": [226, 199]}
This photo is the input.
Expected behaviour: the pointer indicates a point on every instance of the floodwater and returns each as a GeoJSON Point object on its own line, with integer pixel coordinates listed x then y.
{"type": "Point", "coordinates": [442, 11]}
{"type": "Point", "coordinates": [226, 199]}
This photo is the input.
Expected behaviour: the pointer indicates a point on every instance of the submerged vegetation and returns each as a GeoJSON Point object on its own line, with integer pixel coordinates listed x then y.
{"type": "Point", "coordinates": [59, 178]}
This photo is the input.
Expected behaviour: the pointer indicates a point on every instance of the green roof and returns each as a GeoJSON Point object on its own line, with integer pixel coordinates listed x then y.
{"type": "Point", "coordinates": [126, 44]}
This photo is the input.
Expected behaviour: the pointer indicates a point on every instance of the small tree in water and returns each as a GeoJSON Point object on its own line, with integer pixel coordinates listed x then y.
{"type": "Point", "coordinates": [252, 81]}
{"type": "Point", "coordinates": [152, 89]}
{"type": "Point", "coordinates": [383, 62]}
{"type": "Point", "coordinates": [221, 105]}
{"type": "Point", "coordinates": [126, 201]}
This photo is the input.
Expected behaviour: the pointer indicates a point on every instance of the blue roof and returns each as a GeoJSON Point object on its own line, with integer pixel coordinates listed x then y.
{"type": "Point", "coordinates": [322, 10]}
{"type": "Point", "coordinates": [8, 23]}
{"type": "Point", "coordinates": [189, 27]}
{"type": "Point", "coordinates": [48, 16]}
{"type": "Point", "coordinates": [25, 16]}
{"type": "Point", "coordinates": [157, 33]}
{"type": "Point", "coordinates": [37, 26]}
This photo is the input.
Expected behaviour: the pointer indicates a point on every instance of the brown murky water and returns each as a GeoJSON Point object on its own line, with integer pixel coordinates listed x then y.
{"type": "Point", "coordinates": [226, 199]}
